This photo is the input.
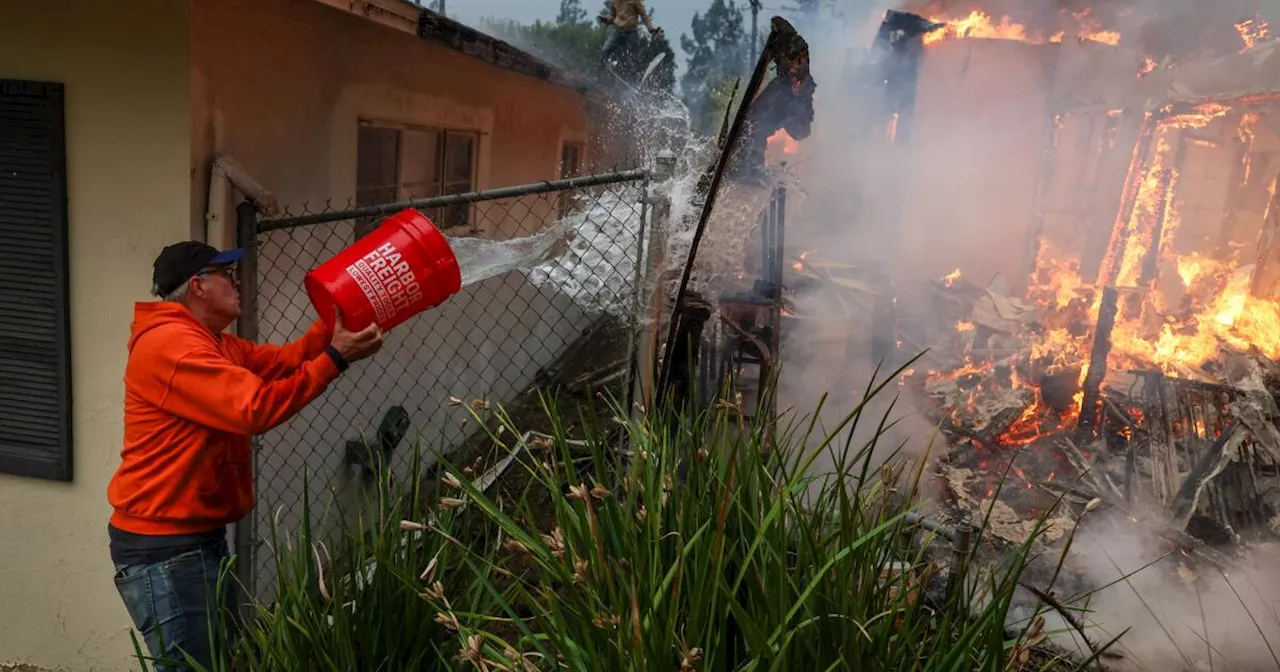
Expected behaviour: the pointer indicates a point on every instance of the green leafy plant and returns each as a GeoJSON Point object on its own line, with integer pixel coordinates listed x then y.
{"type": "Point", "coordinates": [387, 596]}
{"type": "Point", "coordinates": [702, 541]}
{"type": "Point", "coordinates": [707, 546]}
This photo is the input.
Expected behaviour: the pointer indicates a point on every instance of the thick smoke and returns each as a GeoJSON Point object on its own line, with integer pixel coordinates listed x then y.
{"type": "Point", "coordinates": [965, 188]}
{"type": "Point", "coordinates": [975, 149]}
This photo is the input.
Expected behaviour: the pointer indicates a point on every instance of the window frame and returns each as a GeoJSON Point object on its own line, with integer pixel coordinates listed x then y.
{"type": "Point", "coordinates": [442, 184]}
{"type": "Point", "coordinates": [28, 458]}
{"type": "Point", "coordinates": [564, 204]}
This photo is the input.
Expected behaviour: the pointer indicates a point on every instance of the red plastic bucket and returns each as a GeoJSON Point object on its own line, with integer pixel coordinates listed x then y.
{"type": "Point", "coordinates": [398, 270]}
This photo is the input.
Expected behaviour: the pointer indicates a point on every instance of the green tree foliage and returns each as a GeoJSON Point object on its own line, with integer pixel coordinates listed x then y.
{"type": "Point", "coordinates": [571, 12]}
{"type": "Point", "coordinates": [576, 47]}
{"type": "Point", "coordinates": [717, 54]}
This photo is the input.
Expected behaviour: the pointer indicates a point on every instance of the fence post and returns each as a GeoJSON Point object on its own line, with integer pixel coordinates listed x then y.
{"type": "Point", "coordinates": [247, 328]}
{"type": "Point", "coordinates": [649, 304]}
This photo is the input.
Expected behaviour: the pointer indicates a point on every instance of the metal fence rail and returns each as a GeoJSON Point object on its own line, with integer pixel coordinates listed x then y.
{"type": "Point", "coordinates": [556, 324]}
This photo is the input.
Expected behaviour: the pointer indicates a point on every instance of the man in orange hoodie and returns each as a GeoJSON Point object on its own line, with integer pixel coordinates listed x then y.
{"type": "Point", "coordinates": [193, 398]}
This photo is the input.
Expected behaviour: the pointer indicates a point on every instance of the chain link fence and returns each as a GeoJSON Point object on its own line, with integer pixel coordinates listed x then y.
{"type": "Point", "coordinates": [568, 319]}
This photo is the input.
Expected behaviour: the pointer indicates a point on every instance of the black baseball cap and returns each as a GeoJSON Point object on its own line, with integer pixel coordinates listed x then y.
{"type": "Point", "coordinates": [180, 262]}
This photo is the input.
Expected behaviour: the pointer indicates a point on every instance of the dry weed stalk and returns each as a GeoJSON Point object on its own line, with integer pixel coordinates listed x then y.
{"type": "Point", "coordinates": [555, 542]}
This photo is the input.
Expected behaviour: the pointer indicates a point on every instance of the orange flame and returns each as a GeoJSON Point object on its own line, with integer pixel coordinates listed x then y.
{"type": "Point", "coordinates": [1149, 66]}
{"type": "Point", "coordinates": [1252, 31]}
{"type": "Point", "coordinates": [782, 138]}
{"type": "Point", "coordinates": [979, 25]}
{"type": "Point", "coordinates": [1217, 309]}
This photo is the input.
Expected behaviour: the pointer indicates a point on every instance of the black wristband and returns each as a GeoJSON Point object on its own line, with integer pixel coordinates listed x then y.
{"type": "Point", "coordinates": [338, 361]}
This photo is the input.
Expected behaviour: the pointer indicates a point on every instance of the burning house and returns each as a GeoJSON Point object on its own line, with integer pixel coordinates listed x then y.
{"type": "Point", "coordinates": [1082, 227]}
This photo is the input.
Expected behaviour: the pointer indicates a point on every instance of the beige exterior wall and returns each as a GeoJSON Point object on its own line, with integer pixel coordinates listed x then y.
{"type": "Point", "coordinates": [125, 68]}
{"type": "Point", "coordinates": [280, 85]}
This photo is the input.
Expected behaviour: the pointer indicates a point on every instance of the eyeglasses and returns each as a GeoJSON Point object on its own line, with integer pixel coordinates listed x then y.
{"type": "Point", "coordinates": [231, 272]}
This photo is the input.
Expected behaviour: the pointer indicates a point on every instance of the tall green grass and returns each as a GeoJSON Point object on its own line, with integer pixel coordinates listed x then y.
{"type": "Point", "coordinates": [703, 549]}
{"type": "Point", "coordinates": [391, 592]}
{"type": "Point", "coordinates": [701, 546]}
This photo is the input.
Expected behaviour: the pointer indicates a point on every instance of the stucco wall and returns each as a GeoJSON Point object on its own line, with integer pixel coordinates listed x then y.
{"type": "Point", "coordinates": [280, 85]}
{"type": "Point", "coordinates": [124, 65]}
{"type": "Point", "coordinates": [293, 126]}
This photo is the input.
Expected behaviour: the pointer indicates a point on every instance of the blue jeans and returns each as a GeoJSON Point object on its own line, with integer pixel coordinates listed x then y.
{"type": "Point", "coordinates": [174, 605]}
{"type": "Point", "coordinates": [626, 40]}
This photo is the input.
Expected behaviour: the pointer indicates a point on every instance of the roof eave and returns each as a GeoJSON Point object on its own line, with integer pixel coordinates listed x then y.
{"type": "Point", "coordinates": [442, 30]}
{"type": "Point", "coordinates": [414, 19]}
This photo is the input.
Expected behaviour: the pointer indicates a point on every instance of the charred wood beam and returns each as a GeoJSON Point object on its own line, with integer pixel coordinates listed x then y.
{"type": "Point", "coordinates": [1129, 201]}
{"type": "Point", "coordinates": [1151, 264]}
{"type": "Point", "coordinates": [1266, 273]}
{"type": "Point", "coordinates": [896, 53]}
{"type": "Point", "coordinates": [1099, 198]}
{"type": "Point", "coordinates": [1099, 481]}
{"type": "Point", "coordinates": [991, 420]}
{"type": "Point", "coordinates": [1133, 443]}
{"type": "Point", "coordinates": [1240, 104]}
{"type": "Point", "coordinates": [1210, 465]}
{"type": "Point", "coordinates": [1090, 406]}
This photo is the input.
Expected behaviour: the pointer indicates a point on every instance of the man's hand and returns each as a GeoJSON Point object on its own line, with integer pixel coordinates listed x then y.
{"type": "Point", "coordinates": [354, 346]}
{"type": "Point", "coordinates": [655, 32]}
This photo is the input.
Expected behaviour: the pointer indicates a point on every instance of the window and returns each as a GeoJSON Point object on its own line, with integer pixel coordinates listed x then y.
{"type": "Point", "coordinates": [35, 361]}
{"type": "Point", "coordinates": [570, 161]}
{"type": "Point", "coordinates": [397, 163]}
{"type": "Point", "coordinates": [570, 166]}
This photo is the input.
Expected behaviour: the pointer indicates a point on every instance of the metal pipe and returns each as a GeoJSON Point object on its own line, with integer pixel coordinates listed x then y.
{"type": "Point", "coordinates": [245, 531]}
{"type": "Point", "coordinates": [633, 325]}
{"type": "Point", "coordinates": [949, 532]}
{"type": "Point", "coordinates": [961, 547]}
{"type": "Point", "coordinates": [655, 252]}
{"type": "Point", "coordinates": [454, 199]}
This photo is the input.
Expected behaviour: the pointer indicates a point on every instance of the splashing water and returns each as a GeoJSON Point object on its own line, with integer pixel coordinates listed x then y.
{"type": "Point", "coordinates": [591, 255]}
{"type": "Point", "coordinates": [481, 259]}
{"type": "Point", "coordinates": [588, 256]}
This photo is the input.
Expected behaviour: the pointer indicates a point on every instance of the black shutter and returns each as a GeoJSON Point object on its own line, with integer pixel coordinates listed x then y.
{"type": "Point", "coordinates": [35, 346]}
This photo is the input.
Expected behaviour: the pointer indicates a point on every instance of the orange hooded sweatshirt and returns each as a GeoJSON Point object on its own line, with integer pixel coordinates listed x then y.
{"type": "Point", "coordinates": [193, 399]}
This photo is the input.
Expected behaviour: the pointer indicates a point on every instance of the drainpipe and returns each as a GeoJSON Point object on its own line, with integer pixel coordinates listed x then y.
{"type": "Point", "coordinates": [226, 172]}
{"type": "Point", "coordinates": [648, 291]}
{"type": "Point", "coordinates": [223, 232]}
